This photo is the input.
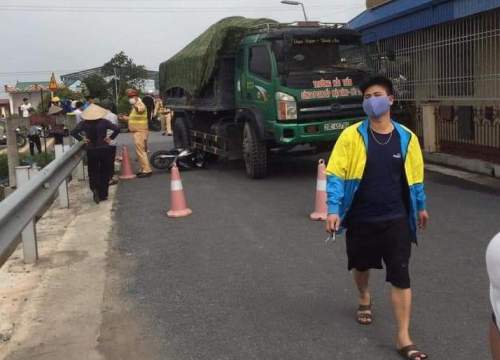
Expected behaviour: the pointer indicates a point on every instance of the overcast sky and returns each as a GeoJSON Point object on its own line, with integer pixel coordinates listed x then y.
{"type": "Point", "coordinates": [41, 36]}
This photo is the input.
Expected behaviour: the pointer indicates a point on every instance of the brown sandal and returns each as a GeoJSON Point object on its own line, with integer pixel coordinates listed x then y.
{"type": "Point", "coordinates": [410, 352]}
{"type": "Point", "coordinates": [364, 317]}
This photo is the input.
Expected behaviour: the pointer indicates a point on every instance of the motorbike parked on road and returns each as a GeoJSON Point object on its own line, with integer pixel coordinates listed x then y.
{"type": "Point", "coordinates": [185, 159]}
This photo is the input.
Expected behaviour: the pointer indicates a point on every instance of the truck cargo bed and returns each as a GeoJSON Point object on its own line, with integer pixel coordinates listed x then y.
{"type": "Point", "coordinates": [218, 95]}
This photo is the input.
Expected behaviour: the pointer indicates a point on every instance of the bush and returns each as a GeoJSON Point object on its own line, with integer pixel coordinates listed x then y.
{"type": "Point", "coordinates": [41, 160]}
{"type": "Point", "coordinates": [4, 166]}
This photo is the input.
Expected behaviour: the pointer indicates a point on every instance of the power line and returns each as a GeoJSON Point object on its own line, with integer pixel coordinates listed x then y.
{"type": "Point", "coordinates": [155, 8]}
{"type": "Point", "coordinates": [136, 9]}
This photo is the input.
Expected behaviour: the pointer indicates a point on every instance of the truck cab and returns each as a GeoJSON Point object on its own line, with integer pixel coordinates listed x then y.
{"type": "Point", "coordinates": [301, 81]}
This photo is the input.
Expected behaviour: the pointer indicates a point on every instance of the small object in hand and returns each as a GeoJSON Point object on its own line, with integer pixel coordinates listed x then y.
{"type": "Point", "coordinates": [330, 240]}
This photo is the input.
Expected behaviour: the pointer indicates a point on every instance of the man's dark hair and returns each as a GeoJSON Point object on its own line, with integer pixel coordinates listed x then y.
{"type": "Point", "coordinates": [25, 99]}
{"type": "Point", "coordinates": [379, 80]}
{"type": "Point", "coordinates": [78, 104]}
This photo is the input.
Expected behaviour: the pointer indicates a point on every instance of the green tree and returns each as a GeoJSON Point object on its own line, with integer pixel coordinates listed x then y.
{"type": "Point", "coordinates": [127, 72]}
{"type": "Point", "coordinates": [96, 86]}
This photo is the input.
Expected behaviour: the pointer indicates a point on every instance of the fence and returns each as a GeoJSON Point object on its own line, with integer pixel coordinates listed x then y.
{"type": "Point", "coordinates": [19, 211]}
{"type": "Point", "coordinates": [470, 131]}
{"type": "Point", "coordinates": [456, 61]}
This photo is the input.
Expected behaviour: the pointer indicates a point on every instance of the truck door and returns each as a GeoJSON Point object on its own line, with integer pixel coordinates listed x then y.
{"type": "Point", "coordinates": [240, 76]}
{"type": "Point", "coordinates": [258, 89]}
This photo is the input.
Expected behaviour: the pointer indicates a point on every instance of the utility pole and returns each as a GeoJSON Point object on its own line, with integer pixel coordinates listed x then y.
{"type": "Point", "coordinates": [116, 87]}
{"type": "Point", "coordinates": [12, 154]}
{"type": "Point", "coordinates": [296, 3]}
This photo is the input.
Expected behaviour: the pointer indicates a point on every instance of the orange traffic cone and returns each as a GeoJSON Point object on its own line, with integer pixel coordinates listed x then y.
{"type": "Point", "coordinates": [127, 172]}
{"type": "Point", "coordinates": [320, 212]}
{"type": "Point", "coordinates": [177, 199]}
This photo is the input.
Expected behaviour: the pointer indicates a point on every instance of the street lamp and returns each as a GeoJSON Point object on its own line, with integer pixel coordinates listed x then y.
{"type": "Point", "coordinates": [296, 3]}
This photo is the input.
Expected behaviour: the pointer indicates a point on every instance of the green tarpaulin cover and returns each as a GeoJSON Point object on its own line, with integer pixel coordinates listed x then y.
{"type": "Point", "coordinates": [192, 67]}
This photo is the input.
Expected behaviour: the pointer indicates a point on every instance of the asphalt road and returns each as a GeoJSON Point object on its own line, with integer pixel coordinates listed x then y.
{"type": "Point", "coordinates": [248, 275]}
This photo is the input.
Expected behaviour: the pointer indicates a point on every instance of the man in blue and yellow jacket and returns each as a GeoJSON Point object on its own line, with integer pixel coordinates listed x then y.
{"type": "Point", "coordinates": [375, 186]}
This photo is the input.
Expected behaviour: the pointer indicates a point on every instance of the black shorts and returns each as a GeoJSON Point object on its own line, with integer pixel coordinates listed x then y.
{"type": "Point", "coordinates": [370, 243]}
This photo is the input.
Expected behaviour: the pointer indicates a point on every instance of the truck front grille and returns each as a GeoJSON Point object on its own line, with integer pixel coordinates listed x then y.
{"type": "Point", "coordinates": [309, 113]}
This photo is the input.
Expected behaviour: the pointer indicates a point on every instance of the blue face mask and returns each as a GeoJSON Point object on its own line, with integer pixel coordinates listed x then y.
{"type": "Point", "coordinates": [376, 106]}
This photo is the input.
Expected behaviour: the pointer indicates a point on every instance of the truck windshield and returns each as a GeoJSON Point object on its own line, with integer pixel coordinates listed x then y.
{"type": "Point", "coordinates": [309, 59]}
{"type": "Point", "coordinates": [320, 54]}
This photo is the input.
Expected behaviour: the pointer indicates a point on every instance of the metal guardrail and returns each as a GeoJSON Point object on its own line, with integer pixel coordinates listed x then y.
{"type": "Point", "coordinates": [18, 211]}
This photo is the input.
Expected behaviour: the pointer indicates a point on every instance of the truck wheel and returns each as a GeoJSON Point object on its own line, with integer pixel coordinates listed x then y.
{"type": "Point", "coordinates": [254, 153]}
{"type": "Point", "coordinates": [181, 134]}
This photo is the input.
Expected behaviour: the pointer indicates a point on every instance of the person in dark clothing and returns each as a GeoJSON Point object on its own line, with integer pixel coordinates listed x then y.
{"type": "Point", "coordinates": [58, 128]}
{"type": "Point", "coordinates": [375, 189]}
{"type": "Point", "coordinates": [111, 116]}
{"type": "Point", "coordinates": [96, 129]}
{"type": "Point", "coordinates": [34, 139]}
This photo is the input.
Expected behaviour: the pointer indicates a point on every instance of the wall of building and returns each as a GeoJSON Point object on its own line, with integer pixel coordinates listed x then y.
{"type": "Point", "coordinates": [16, 99]}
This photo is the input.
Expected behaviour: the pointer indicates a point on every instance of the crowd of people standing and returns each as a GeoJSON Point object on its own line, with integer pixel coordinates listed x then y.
{"type": "Point", "coordinates": [97, 123]}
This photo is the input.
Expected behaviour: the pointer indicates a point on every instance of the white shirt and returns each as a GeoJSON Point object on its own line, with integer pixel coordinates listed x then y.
{"type": "Point", "coordinates": [112, 117]}
{"type": "Point", "coordinates": [493, 265]}
{"type": "Point", "coordinates": [78, 115]}
{"type": "Point", "coordinates": [25, 109]}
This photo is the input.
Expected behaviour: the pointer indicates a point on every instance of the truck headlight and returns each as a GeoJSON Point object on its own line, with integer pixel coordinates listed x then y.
{"type": "Point", "coordinates": [286, 106]}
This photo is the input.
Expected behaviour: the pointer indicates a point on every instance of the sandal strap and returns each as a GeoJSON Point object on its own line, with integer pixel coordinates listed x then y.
{"type": "Point", "coordinates": [408, 348]}
{"type": "Point", "coordinates": [405, 351]}
{"type": "Point", "coordinates": [365, 307]}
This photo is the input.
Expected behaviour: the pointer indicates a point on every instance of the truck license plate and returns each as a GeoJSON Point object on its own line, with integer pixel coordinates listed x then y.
{"type": "Point", "coordinates": [333, 126]}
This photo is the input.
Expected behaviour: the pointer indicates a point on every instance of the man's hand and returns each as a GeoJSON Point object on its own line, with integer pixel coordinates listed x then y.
{"type": "Point", "coordinates": [332, 223]}
{"type": "Point", "coordinates": [107, 140]}
{"type": "Point", "coordinates": [86, 141]}
{"type": "Point", "coordinates": [423, 219]}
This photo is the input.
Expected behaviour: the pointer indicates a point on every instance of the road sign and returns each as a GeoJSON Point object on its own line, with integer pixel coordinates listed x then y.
{"type": "Point", "coordinates": [53, 83]}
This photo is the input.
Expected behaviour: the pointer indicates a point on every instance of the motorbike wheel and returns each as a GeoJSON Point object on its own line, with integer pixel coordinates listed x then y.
{"type": "Point", "coordinates": [162, 160]}
{"type": "Point", "coordinates": [21, 140]}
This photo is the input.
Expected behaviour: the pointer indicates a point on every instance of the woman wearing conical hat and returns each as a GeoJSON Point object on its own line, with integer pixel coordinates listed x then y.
{"type": "Point", "coordinates": [95, 128]}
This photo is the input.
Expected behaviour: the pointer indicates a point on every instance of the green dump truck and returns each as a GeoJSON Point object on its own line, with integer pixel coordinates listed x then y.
{"type": "Point", "coordinates": [246, 88]}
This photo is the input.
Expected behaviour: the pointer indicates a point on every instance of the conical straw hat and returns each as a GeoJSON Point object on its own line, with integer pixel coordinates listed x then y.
{"type": "Point", "coordinates": [53, 110]}
{"type": "Point", "coordinates": [94, 112]}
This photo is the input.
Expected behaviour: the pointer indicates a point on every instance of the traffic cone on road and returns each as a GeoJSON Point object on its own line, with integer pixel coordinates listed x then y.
{"type": "Point", "coordinates": [126, 173]}
{"type": "Point", "coordinates": [320, 209]}
{"type": "Point", "coordinates": [177, 199]}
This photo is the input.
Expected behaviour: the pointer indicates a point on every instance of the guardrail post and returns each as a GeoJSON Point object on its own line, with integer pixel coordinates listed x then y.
{"type": "Point", "coordinates": [28, 235]}
{"type": "Point", "coordinates": [80, 171]}
{"type": "Point", "coordinates": [63, 188]}
{"type": "Point", "coordinates": [12, 154]}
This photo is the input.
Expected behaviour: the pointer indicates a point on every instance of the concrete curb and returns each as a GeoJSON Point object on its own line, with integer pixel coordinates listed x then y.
{"type": "Point", "coordinates": [496, 170]}
{"type": "Point", "coordinates": [472, 165]}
